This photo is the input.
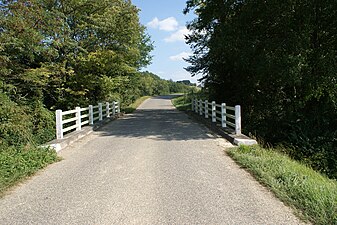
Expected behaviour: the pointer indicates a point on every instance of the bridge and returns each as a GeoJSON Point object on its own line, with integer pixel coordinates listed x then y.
{"type": "Point", "coordinates": [155, 166]}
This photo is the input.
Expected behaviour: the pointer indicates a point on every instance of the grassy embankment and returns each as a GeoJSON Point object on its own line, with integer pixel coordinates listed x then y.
{"type": "Point", "coordinates": [182, 103]}
{"type": "Point", "coordinates": [131, 108]}
{"type": "Point", "coordinates": [313, 195]}
{"type": "Point", "coordinates": [16, 164]}
{"type": "Point", "coordinates": [22, 129]}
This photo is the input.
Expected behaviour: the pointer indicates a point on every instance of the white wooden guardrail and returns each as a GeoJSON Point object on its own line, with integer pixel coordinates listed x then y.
{"type": "Point", "coordinates": [75, 119]}
{"type": "Point", "coordinates": [227, 115]}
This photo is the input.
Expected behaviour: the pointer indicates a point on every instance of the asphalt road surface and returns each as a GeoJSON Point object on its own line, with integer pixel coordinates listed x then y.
{"type": "Point", "coordinates": [155, 166]}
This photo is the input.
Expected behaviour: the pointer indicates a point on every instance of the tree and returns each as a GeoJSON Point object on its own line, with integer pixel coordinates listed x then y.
{"type": "Point", "coordinates": [278, 60]}
{"type": "Point", "coordinates": [60, 51]}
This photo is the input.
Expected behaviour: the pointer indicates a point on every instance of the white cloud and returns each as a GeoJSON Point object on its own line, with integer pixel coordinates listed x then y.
{"type": "Point", "coordinates": [181, 56]}
{"type": "Point", "coordinates": [179, 35]}
{"type": "Point", "coordinates": [168, 24]}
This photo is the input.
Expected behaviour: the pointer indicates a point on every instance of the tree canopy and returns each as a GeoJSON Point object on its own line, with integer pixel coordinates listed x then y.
{"type": "Point", "coordinates": [278, 60]}
{"type": "Point", "coordinates": [63, 51]}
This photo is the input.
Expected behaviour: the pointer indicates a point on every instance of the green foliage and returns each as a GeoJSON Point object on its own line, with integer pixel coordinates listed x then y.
{"type": "Point", "coordinates": [277, 59]}
{"type": "Point", "coordinates": [17, 163]}
{"type": "Point", "coordinates": [24, 125]}
{"type": "Point", "coordinates": [297, 185]}
{"type": "Point", "coordinates": [184, 102]}
{"type": "Point", "coordinates": [43, 122]}
{"type": "Point", "coordinates": [62, 52]}
{"type": "Point", "coordinates": [15, 125]}
{"type": "Point", "coordinates": [132, 107]}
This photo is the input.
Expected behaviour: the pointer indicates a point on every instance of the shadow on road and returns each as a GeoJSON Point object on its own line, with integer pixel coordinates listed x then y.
{"type": "Point", "coordinates": [168, 124]}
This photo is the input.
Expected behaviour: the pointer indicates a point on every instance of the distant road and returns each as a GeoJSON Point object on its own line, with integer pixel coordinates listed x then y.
{"type": "Point", "coordinates": [155, 166]}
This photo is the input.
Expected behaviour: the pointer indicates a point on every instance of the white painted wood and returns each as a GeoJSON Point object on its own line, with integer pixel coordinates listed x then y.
{"type": "Point", "coordinates": [107, 109]}
{"type": "Point", "coordinates": [223, 115]}
{"type": "Point", "coordinates": [213, 112]}
{"type": "Point", "coordinates": [91, 115]}
{"type": "Point", "coordinates": [78, 118]}
{"type": "Point", "coordinates": [200, 107]}
{"type": "Point", "coordinates": [96, 118]}
{"type": "Point", "coordinates": [230, 116]}
{"type": "Point", "coordinates": [70, 128]}
{"type": "Point", "coordinates": [85, 122]}
{"type": "Point", "coordinates": [68, 112]}
{"type": "Point", "coordinates": [119, 107]}
{"type": "Point", "coordinates": [237, 119]}
{"type": "Point", "coordinates": [59, 132]}
{"type": "Point", "coordinates": [113, 108]}
{"type": "Point", "coordinates": [100, 111]}
{"type": "Point", "coordinates": [230, 108]}
{"type": "Point", "coordinates": [69, 120]}
{"type": "Point", "coordinates": [231, 124]}
{"type": "Point", "coordinates": [84, 116]}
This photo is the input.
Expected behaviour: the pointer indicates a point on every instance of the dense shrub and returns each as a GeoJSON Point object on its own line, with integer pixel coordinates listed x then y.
{"type": "Point", "coordinates": [19, 162]}
{"type": "Point", "coordinates": [16, 127]}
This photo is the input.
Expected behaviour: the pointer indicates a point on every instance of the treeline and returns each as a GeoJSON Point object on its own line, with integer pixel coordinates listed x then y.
{"type": "Point", "coordinates": [278, 60]}
{"type": "Point", "coordinates": [61, 54]}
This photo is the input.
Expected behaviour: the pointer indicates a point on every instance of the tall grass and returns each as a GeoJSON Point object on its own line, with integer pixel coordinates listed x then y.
{"type": "Point", "coordinates": [132, 107]}
{"type": "Point", "coordinates": [19, 163]}
{"type": "Point", "coordinates": [182, 103]}
{"type": "Point", "coordinates": [22, 129]}
{"type": "Point", "coordinates": [313, 194]}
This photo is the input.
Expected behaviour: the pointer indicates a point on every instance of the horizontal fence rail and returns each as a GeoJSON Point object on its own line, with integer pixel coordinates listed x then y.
{"type": "Point", "coordinates": [226, 115]}
{"type": "Point", "coordinates": [68, 121]}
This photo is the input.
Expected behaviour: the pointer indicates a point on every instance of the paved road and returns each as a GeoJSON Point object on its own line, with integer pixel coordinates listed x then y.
{"type": "Point", "coordinates": [152, 167]}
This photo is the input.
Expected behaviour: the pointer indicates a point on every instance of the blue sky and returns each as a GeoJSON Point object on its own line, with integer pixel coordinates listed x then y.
{"type": "Point", "coordinates": [166, 24]}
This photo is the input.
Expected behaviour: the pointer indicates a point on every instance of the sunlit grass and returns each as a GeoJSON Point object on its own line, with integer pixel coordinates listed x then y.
{"type": "Point", "coordinates": [131, 108]}
{"type": "Point", "coordinates": [182, 103]}
{"type": "Point", "coordinates": [313, 194]}
{"type": "Point", "coordinates": [16, 164]}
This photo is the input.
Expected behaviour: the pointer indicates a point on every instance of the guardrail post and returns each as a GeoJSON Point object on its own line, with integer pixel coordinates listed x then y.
{"type": "Point", "coordinates": [100, 111]}
{"type": "Point", "coordinates": [223, 115]}
{"type": "Point", "coordinates": [78, 118]}
{"type": "Point", "coordinates": [107, 109]}
{"type": "Point", "coordinates": [59, 126]}
{"type": "Point", "coordinates": [213, 112]}
{"type": "Point", "coordinates": [119, 107]}
{"type": "Point", "coordinates": [200, 107]}
{"type": "Point", "coordinates": [113, 108]}
{"type": "Point", "coordinates": [91, 115]}
{"type": "Point", "coordinates": [192, 105]}
{"type": "Point", "coordinates": [237, 119]}
{"type": "Point", "coordinates": [206, 109]}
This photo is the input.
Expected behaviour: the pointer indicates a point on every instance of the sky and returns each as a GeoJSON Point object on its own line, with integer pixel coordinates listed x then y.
{"type": "Point", "coordinates": [166, 24]}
